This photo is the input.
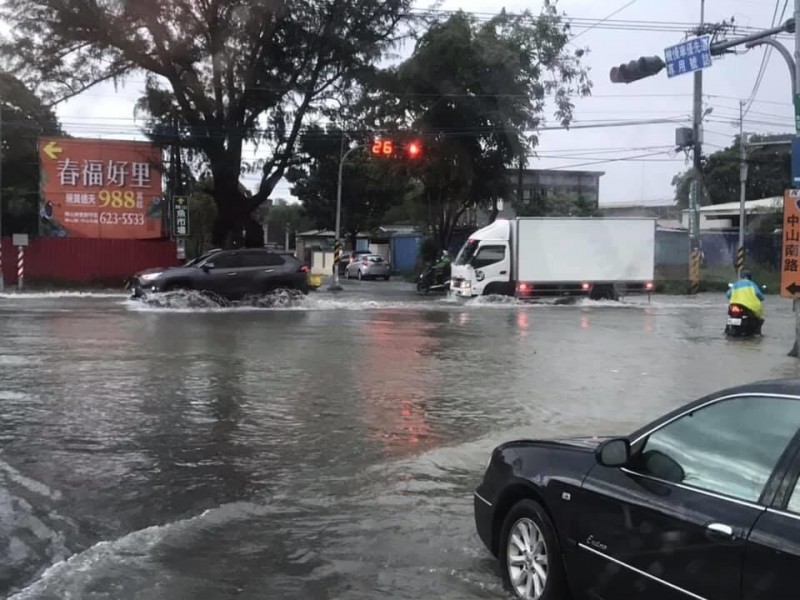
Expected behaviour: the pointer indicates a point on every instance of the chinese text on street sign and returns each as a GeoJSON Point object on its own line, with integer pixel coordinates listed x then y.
{"type": "Point", "coordinates": [100, 188]}
{"type": "Point", "coordinates": [790, 257]}
{"type": "Point", "coordinates": [180, 217]}
{"type": "Point", "coordinates": [691, 55]}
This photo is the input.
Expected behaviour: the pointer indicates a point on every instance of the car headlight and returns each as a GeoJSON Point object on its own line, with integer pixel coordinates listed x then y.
{"type": "Point", "coordinates": [149, 276]}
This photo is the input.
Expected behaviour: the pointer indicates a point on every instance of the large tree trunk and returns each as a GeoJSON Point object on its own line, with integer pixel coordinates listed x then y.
{"type": "Point", "coordinates": [234, 226]}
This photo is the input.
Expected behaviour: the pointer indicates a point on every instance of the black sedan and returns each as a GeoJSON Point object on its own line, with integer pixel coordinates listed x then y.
{"type": "Point", "coordinates": [231, 274]}
{"type": "Point", "coordinates": [701, 504]}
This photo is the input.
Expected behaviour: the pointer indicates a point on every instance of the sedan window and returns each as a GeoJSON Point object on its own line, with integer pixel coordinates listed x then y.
{"type": "Point", "coordinates": [730, 447]}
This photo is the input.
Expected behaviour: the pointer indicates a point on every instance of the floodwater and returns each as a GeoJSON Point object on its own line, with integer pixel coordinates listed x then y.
{"type": "Point", "coordinates": [324, 451]}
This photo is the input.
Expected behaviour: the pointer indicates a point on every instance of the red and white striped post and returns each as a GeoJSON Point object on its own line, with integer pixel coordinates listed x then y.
{"type": "Point", "coordinates": [20, 266]}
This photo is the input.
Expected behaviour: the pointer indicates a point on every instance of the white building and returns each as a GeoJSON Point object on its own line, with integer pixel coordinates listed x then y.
{"type": "Point", "coordinates": [726, 216]}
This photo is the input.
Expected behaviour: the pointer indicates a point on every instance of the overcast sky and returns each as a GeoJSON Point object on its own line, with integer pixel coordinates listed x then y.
{"type": "Point", "coordinates": [629, 176]}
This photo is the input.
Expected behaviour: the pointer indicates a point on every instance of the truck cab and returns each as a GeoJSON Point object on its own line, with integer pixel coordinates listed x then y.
{"type": "Point", "coordinates": [483, 266]}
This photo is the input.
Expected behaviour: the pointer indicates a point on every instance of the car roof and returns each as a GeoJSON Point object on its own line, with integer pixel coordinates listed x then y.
{"type": "Point", "coordinates": [781, 387]}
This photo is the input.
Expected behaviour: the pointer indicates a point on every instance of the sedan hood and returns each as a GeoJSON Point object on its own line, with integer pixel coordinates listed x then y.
{"type": "Point", "coordinates": [586, 444]}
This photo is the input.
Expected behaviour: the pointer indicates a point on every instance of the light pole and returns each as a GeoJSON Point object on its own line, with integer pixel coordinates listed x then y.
{"type": "Point", "coordinates": [337, 245]}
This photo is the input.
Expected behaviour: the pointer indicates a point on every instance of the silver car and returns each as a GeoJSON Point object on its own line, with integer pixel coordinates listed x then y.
{"type": "Point", "coordinates": [368, 266]}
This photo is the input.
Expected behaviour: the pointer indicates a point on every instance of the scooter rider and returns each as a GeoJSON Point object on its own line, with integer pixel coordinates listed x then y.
{"type": "Point", "coordinates": [442, 268]}
{"type": "Point", "coordinates": [746, 293]}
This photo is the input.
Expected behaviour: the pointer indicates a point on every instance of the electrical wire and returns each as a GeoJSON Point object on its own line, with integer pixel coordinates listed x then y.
{"type": "Point", "coordinates": [765, 59]}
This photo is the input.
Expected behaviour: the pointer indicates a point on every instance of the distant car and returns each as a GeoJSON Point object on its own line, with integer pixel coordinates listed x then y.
{"type": "Point", "coordinates": [231, 274]}
{"type": "Point", "coordinates": [702, 503]}
{"type": "Point", "coordinates": [350, 256]}
{"type": "Point", "coordinates": [368, 266]}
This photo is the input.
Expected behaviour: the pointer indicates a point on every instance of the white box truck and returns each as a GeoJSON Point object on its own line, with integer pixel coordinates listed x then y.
{"type": "Point", "coordinates": [602, 258]}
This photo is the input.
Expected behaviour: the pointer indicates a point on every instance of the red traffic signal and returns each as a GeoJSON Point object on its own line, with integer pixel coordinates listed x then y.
{"type": "Point", "coordinates": [389, 148]}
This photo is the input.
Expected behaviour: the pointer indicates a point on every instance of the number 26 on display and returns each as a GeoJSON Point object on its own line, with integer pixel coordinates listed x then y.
{"type": "Point", "coordinates": [116, 199]}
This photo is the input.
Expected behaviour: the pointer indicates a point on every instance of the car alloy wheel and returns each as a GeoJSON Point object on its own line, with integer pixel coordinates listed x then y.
{"type": "Point", "coordinates": [530, 553]}
{"type": "Point", "coordinates": [526, 559]}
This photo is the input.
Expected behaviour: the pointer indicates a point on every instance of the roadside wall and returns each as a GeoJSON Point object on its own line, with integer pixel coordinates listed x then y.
{"type": "Point", "coordinates": [80, 260]}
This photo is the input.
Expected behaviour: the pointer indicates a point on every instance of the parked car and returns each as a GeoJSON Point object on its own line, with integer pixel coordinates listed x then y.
{"type": "Point", "coordinates": [232, 274]}
{"type": "Point", "coordinates": [702, 503]}
{"type": "Point", "coordinates": [368, 266]}
{"type": "Point", "coordinates": [350, 256]}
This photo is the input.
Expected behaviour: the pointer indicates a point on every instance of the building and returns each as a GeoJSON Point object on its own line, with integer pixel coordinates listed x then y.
{"type": "Point", "coordinates": [721, 217]}
{"type": "Point", "coordinates": [541, 186]}
{"type": "Point", "coordinates": [668, 216]}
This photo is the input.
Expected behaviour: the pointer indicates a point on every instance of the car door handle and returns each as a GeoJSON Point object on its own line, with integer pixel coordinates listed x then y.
{"type": "Point", "coordinates": [268, 270]}
{"type": "Point", "coordinates": [720, 530]}
{"type": "Point", "coordinates": [503, 272]}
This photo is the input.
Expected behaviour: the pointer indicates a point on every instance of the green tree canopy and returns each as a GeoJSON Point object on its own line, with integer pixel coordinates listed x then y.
{"type": "Point", "coordinates": [768, 174]}
{"type": "Point", "coordinates": [24, 119]}
{"type": "Point", "coordinates": [477, 92]}
{"type": "Point", "coordinates": [219, 73]}
{"type": "Point", "coordinates": [370, 186]}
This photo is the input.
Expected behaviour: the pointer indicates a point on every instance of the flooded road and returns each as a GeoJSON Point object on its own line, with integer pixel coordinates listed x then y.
{"type": "Point", "coordinates": [328, 450]}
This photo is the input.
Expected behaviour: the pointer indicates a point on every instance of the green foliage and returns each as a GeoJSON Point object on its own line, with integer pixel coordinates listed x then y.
{"type": "Point", "coordinates": [218, 73]}
{"type": "Point", "coordinates": [24, 119]}
{"type": "Point", "coordinates": [370, 186]}
{"type": "Point", "coordinates": [475, 90]}
{"type": "Point", "coordinates": [768, 174]}
{"type": "Point", "coordinates": [429, 249]}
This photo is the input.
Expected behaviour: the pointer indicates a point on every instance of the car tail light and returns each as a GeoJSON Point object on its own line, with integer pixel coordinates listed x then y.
{"type": "Point", "coordinates": [585, 286]}
{"type": "Point", "coordinates": [304, 269]}
{"type": "Point", "coordinates": [365, 263]}
{"type": "Point", "coordinates": [524, 288]}
{"type": "Point", "coordinates": [649, 285]}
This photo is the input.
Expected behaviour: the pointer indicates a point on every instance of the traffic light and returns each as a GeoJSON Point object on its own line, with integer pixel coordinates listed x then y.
{"type": "Point", "coordinates": [635, 70]}
{"type": "Point", "coordinates": [389, 148]}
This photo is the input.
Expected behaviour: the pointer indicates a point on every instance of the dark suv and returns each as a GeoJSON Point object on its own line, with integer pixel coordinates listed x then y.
{"type": "Point", "coordinates": [232, 274]}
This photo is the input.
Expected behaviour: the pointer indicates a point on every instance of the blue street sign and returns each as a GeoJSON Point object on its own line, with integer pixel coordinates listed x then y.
{"type": "Point", "coordinates": [796, 163]}
{"type": "Point", "coordinates": [691, 55]}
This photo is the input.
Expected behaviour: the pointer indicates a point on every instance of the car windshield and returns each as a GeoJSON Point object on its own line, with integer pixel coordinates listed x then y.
{"type": "Point", "coordinates": [467, 252]}
{"type": "Point", "coordinates": [196, 261]}
{"type": "Point", "coordinates": [373, 259]}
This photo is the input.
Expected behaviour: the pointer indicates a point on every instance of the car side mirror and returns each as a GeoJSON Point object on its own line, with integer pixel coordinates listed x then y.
{"type": "Point", "coordinates": [207, 266]}
{"type": "Point", "coordinates": [614, 453]}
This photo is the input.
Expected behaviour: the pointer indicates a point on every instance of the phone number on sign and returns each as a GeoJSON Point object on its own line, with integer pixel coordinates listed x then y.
{"type": "Point", "coordinates": [121, 218]}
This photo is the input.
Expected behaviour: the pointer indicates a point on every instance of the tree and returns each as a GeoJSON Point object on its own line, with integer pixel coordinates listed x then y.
{"type": "Point", "coordinates": [219, 73]}
{"type": "Point", "coordinates": [24, 119]}
{"type": "Point", "coordinates": [768, 174]}
{"type": "Point", "coordinates": [476, 92]}
{"type": "Point", "coordinates": [370, 186]}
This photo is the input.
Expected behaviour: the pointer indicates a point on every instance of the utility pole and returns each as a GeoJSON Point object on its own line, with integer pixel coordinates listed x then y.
{"type": "Point", "coordinates": [694, 200]}
{"type": "Point", "coordinates": [740, 252]}
{"type": "Point", "coordinates": [337, 245]}
{"type": "Point", "coordinates": [796, 303]}
{"type": "Point", "coordinates": [2, 281]}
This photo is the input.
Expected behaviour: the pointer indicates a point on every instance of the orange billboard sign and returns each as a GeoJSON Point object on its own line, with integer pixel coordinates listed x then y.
{"type": "Point", "coordinates": [107, 189]}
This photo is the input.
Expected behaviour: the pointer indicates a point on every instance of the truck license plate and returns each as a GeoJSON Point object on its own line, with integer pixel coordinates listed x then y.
{"type": "Point", "coordinates": [734, 321]}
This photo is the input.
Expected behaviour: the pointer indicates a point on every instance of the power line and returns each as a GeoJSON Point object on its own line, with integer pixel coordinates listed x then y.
{"type": "Point", "coordinates": [765, 58]}
{"type": "Point", "coordinates": [616, 12]}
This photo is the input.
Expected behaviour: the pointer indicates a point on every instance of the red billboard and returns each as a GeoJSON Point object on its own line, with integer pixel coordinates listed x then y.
{"type": "Point", "coordinates": [103, 189]}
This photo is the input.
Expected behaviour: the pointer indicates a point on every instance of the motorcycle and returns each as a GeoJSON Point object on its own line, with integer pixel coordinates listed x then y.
{"type": "Point", "coordinates": [432, 281]}
{"type": "Point", "coordinates": [742, 322]}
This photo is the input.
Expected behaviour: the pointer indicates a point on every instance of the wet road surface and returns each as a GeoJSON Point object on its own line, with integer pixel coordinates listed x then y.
{"type": "Point", "coordinates": [328, 450]}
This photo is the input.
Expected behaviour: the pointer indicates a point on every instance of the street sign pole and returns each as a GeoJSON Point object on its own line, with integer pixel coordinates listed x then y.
{"type": "Point", "coordinates": [795, 351]}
